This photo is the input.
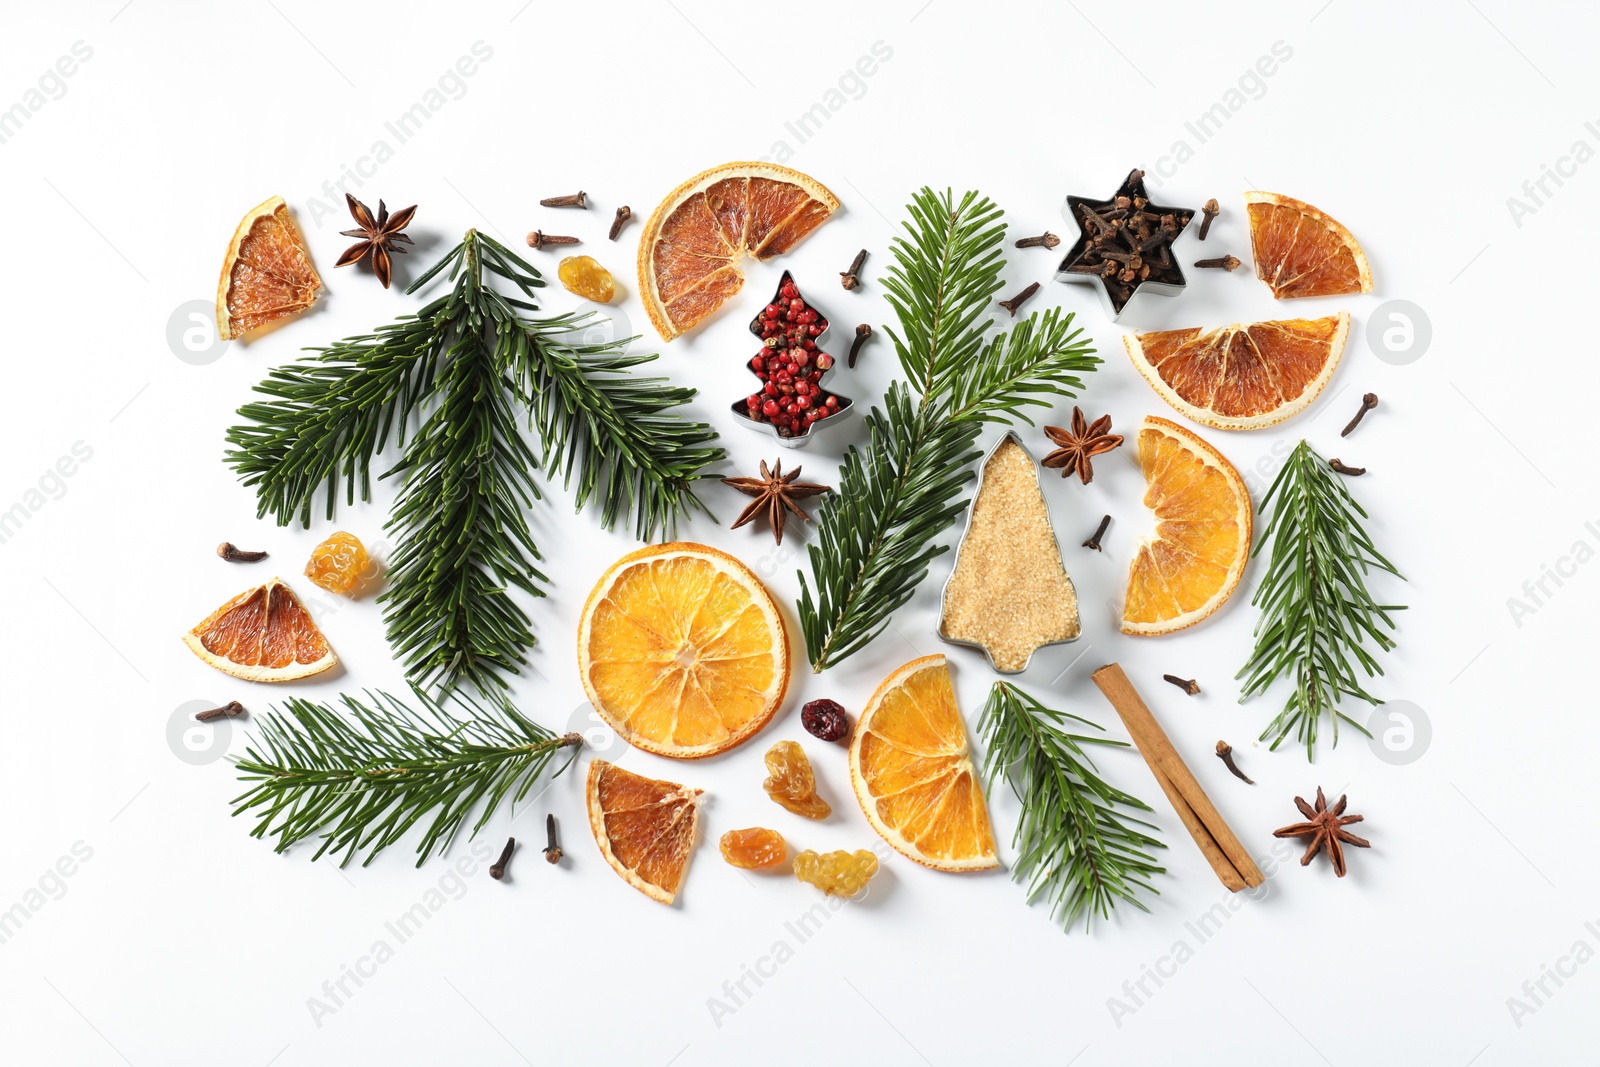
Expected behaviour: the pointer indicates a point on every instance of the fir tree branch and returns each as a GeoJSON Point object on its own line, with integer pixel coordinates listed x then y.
{"type": "Point", "coordinates": [875, 536]}
{"type": "Point", "coordinates": [1316, 613]}
{"type": "Point", "coordinates": [1077, 845]}
{"type": "Point", "coordinates": [361, 781]}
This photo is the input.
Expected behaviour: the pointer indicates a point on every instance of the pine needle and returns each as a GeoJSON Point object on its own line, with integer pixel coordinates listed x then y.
{"type": "Point", "coordinates": [875, 535]}
{"type": "Point", "coordinates": [471, 372]}
{"type": "Point", "coordinates": [1078, 846]}
{"type": "Point", "coordinates": [1317, 616]}
{"type": "Point", "coordinates": [362, 781]}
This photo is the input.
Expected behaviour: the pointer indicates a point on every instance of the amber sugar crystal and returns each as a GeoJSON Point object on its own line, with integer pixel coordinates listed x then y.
{"type": "Point", "coordinates": [1009, 593]}
{"type": "Point", "coordinates": [339, 564]}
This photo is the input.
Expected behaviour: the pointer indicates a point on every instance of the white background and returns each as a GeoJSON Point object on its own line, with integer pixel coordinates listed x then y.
{"type": "Point", "coordinates": [182, 940]}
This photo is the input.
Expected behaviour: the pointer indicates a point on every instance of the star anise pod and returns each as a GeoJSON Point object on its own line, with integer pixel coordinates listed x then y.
{"type": "Point", "coordinates": [775, 493]}
{"type": "Point", "coordinates": [1079, 447]}
{"type": "Point", "coordinates": [1326, 830]}
{"type": "Point", "coordinates": [379, 236]}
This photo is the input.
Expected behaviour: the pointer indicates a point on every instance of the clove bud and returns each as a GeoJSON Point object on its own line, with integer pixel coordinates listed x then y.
{"type": "Point", "coordinates": [238, 555]}
{"type": "Point", "coordinates": [1021, 298]}
{"type": "Point", "coordinates": [576, 199]}
{"type": "Point", "coordinates": [862, 333]}
{"type": "Point", "coordinates": [1227, 263]}
{"type": "Point", "coordinates": [498, 871]}
{"type": "Point", "coordinates": [538, 239]}
{"type": "Point", "coordinates": [624, 213]}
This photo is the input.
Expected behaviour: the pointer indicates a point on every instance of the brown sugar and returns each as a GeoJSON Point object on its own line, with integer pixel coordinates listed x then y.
{"type": "Point", "coordinates": [1009, 593]}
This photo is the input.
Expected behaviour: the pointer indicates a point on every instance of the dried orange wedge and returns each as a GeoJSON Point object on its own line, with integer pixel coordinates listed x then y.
{"type": "Point", "coordinates": [262, 635]}
{"type": "Point", "coordinates": [1245, 376]}
{"type": "Point", "coordinates": [1300, 251]}
{"type": "Point", "coordinates": [268, 272]}
{"type": "Point", "coordinates": [690, 245]}
{"type": "Point", "coordinates": [645, 828]}
{"type": "Point", "coordinates": [913, 774]}
{"type": "Point", "coordinates": [682, 650]}
{"type": "Point", "coordinates": [1203, 528]}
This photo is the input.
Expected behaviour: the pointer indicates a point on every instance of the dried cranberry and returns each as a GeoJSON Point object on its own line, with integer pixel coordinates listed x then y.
{"type": "Point", "coordinates": [826, 720]}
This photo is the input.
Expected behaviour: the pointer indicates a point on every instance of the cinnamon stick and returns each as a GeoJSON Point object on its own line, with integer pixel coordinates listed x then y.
{"type": "Point", "coordinates": [1200, 817]}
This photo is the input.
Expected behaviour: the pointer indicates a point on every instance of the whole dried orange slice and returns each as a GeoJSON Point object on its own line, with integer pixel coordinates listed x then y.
{"type": "Point", "coordinates": [690, 245]}
{"type": "Point", "coordinates": [1245, 376]}
{"type": "Point", "coordinates": [913, 773]}
{"type": "Point", "coordinates": [268, 272]}
{"type": "Point", "coordinates": [683, 651]}
{"type": "Point", "coordinates": [262, 635]}
{"type": "Point", "coordinates": [1300, 251]}
{"type": "Point", "coordinates": [645, 828]}
{"type": "Point", "coordinates": [1202, 538]}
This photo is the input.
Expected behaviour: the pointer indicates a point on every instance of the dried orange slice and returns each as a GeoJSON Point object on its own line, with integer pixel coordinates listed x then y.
{"type": "Point", "coordinates": [690, 245]}
{"type": "Point", "coordinates": [262, 635]}
{"type": "Point", "coordinates": [268, 272]}
{"type": "Point", "coordinates": [1300, 251]}
{"type": "Point", "coordinates": [645, 828]}
{"type": "Point", "coordinates": [913, 774]}
{"type": "Point", "coordinates": [1245, 376]}
{"type": "Point", "coordinates": [1203, 528]}
{"type": "Point", "coordinates": [682, 650]}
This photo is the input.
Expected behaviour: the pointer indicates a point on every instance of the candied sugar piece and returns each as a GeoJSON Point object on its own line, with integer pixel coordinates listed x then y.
{"type": "Point", "coordinates": [1009, 593]}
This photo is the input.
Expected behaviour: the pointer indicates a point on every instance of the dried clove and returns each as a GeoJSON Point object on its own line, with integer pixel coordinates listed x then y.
{"type": "Point", "coordinates": [1100, 531]}
{"type": "Point", "coordinates": [1044, 240]}
{"type": "Point", "coordinates": [862, 333]}
{"type": "Point", "coordinates": [573, 200]}
{"type": "Point", "coordinates": [498, 871]}
{"type": "Point", "coordinates": [538, 239]}
{"type": "Point", "coordinates": [1368, 402]}
{"type": "Point", "coordinates": [552, 851]}
{"type": "Point", "coordinates": [852, 277]}
{"type": "Point", "coordinates": [1340, 468]}
{"type": "Point", "coordinates": [238, 555]}
{"type": "Point", "coordinates": [624, 213]}
{"type": "Point", "coordinates": [1188, 685]}
{"type": "Point", "coordinates": [1021, 298]}
{"type": "Point", "coordinates": [231, 710]}
{"type": "Point", "coordinates": [1211, 210]}
{"type": "Point", "coordinates": [1225, 753]}
{"type": "Point", "coordinates": [1227, 263]}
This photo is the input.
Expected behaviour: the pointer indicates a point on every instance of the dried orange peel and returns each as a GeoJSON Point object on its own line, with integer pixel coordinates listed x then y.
{"type": "Point", "coordinates": [1203, 528]}
{"type": "Point", "coordinates": [1301, 251]}
{"type": "Point", "coordinates": [693, 240]}
{"type": "Point", "coordinates": [645, 828]}
{"type": "Point", "coordinates": [267, 273]}
{"type": "Point", "coordinates": [262, 635]}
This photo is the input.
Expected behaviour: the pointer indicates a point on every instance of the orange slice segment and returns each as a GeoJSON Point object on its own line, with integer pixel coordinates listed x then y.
{"type": "Point", "coordinates": [262, 635]}
{"type": "Point", "coordinates": [645, 828]}
{"type": "Point", "coordinates": [913, 773]}
{"type": "Point", "coordinates": [694, 238]}
{"type": "Point", "coordinates": [267, 274]}
{"type": "Point", "coordinates": [1202, 537]}
{"type": "Point", "coordinates": [1300, 251]}
{"type": "Point", "coordinates": [683, 651]}
{"type": "Point", "coordinates": [1241, 377]}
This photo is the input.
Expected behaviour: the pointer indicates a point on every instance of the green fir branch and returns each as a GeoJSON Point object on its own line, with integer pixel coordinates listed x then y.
{"type": "Point", "coordinates": [471, 371]}
{"type": "Point", "coordinates": [1078, 846]}
{"type": "Point", "coordinates": [875, 536]}
{"type": "Point", "coordinates": [1317, 616]}
{"type": "Point", "coordinates": [360, 781]}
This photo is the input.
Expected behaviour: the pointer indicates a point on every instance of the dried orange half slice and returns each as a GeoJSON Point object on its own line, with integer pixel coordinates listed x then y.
{"type": "Point", "coordinates": [1300, 251]}
{"type": "Point", "coordinates": [1202, 538]}
{"type": "Point", "coordinates": [913, 774]}
{"type": "Point", "coordinates": [645, 828]}
{"type": "Point", "coordinates": [682, 650]}
{"type": "Point", "coordinates": [262, 635]}
{"type": "Point", "coordinates": [268, 272]}
{"type": "Point", "coordinates": [690, 245]}
{"type": "Point", "coordinates": [1241, 377]}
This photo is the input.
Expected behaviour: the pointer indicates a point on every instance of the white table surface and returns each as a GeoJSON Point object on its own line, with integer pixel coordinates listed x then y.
{"type": "Point", "coordinates": [177, 939]}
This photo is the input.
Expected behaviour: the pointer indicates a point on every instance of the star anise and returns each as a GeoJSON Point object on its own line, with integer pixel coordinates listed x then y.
{"type": "Point", "coordinates": [1326, 829]}
{"type": "Point", "coordinates": [379, 236]}
{"type": "Point", "coordinates": [775, 493]}
{"type": "Point", "coordinates": [1079, 447]}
